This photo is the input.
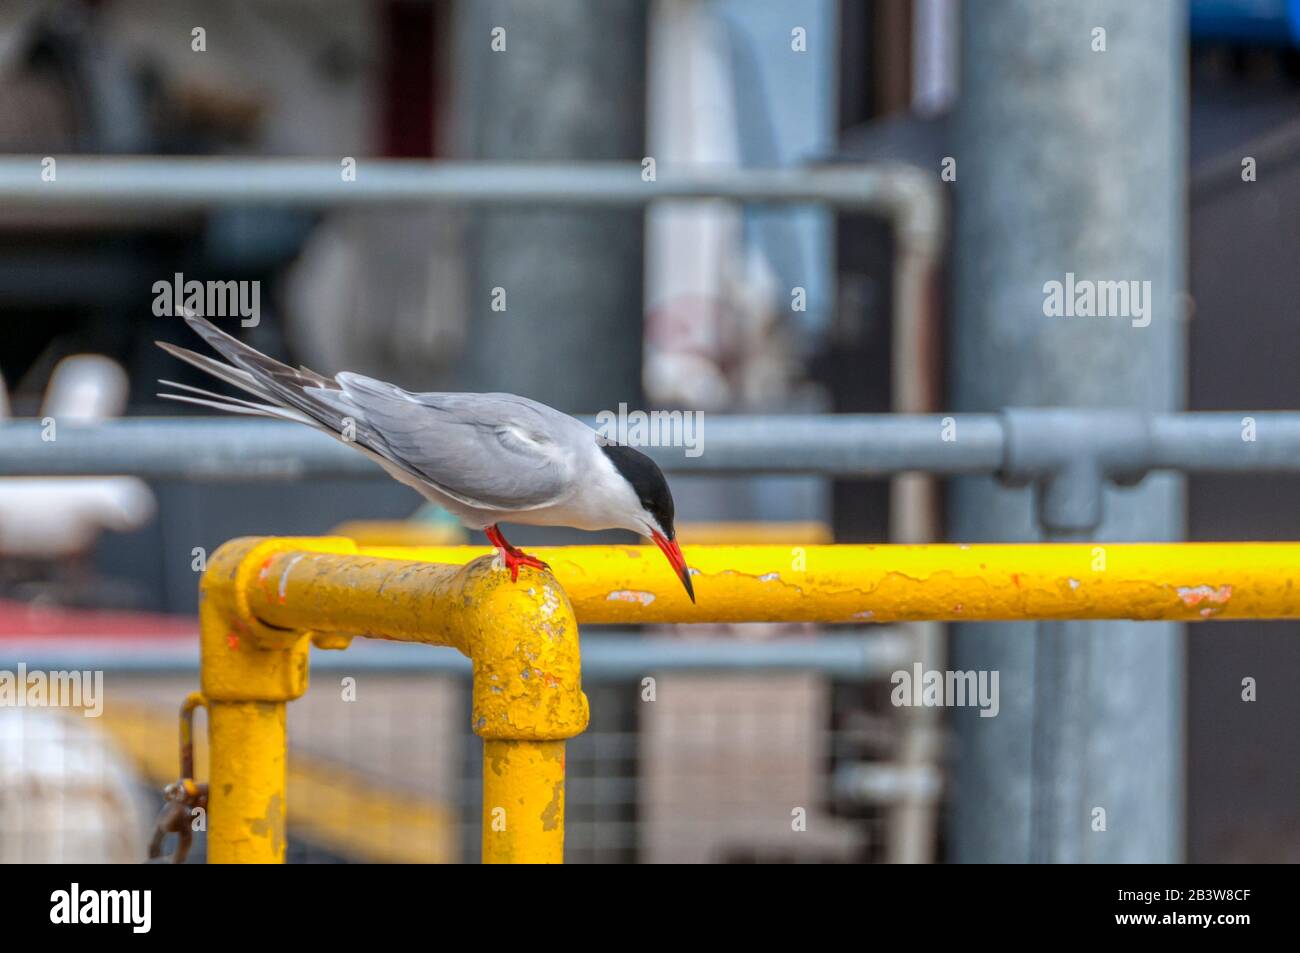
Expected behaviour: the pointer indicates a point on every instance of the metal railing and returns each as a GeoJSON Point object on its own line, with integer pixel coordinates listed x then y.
{"type": "Point", "coordinates": [267, 601]}
{"type": "Point", "coordinates": [262, 598]}
{"type": "Point", "coordinates": [1070, 454]}
{"type": "Point", "coordinates": [910, 200]}
{"type": "Point", "coordinates": [347, 796]}
{"type": "Point", "coordinates": [200, 182]}
{"type": "Point", "coordinates": [826, 444]}
{"type": "Point", "coordinates": [611, 655]}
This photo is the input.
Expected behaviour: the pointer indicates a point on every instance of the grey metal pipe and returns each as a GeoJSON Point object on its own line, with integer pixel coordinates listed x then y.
{"type": "Point", "coordinates": [216, 448]}
{"type": "Point", "coordinates": [1223, 442]}
{"type": "Point", "coordinates": [852, 656]}
{"type": "Point", "coordinates": [914, 518]}
{"type": "Point", "coordinates": [154, 182]}
{"type": "Point", "coordinates": [226, 448]}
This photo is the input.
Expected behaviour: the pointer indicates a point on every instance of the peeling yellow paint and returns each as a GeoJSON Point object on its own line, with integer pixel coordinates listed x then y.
{"type": "Point", "coordinates": [1195, 595]}
{"type": "Point", "coordinates": [628, 595]}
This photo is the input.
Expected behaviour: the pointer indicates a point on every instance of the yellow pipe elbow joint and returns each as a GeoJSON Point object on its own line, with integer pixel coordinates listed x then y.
{"type": "Point", "coordinates": [522, 637]}
{"type": "Point", "coordinates": [244, 659]}
{"type": "Point", "coordinates": [248, 671]}
{"type": "Point", "coordinates": [523, 640]}
{"type": "Point", "coordinates": [264, 602]}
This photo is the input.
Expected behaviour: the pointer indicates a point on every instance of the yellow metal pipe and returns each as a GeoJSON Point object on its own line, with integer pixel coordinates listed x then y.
{"type": "Point", "coordinates": [247, 673]}
{"type": "Point", "coordinates": [891, 583]}
{"type": "Point", "coordinates": [523, 802]}
{"type": "Point", "coordinates": [265, 601]}
{"type": "Point", "coordinates": [344, 809]}
{"type": "Point", "coordinates": [246, 802]}
{"type": "Point", "coordinates": [522, 638]}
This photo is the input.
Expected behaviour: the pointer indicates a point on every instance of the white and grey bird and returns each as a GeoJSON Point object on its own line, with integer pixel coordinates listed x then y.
{"type": "Point", "coordinates": [487, 458]}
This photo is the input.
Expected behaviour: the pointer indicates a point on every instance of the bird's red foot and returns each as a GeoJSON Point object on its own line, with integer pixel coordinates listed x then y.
{"type": "Point", "coordinates": [512, 557]}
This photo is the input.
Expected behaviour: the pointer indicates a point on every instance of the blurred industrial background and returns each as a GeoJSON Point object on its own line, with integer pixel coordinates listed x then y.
{"type": "Point", "coordinates": [1122, 162]}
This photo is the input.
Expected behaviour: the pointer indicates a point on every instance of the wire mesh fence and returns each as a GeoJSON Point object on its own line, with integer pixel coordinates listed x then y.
{"type": "Point", "coordinates": [680, 766]}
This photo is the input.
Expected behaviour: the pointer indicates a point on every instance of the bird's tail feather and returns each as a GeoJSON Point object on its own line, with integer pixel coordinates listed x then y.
{"type": "Point", "coordinates": [265, 378]}
{"type": "Point", "coordinates": [281, 391]}
{"type": "Point", "coordinates": [253, 360]}
{"type": "Point", "coordinates": [234, 405]}
{"type": "Point", "coordinates": [216, 405]}
{"type": "Point", "coordinates": [223, 372]}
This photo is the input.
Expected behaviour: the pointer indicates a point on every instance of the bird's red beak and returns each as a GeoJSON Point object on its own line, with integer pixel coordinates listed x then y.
{"type": "Point", "coordinates": [674, 554]}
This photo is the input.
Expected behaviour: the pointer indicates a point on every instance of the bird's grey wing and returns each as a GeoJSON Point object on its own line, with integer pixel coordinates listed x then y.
{"type": "Point", "coordinates": [492, 451]}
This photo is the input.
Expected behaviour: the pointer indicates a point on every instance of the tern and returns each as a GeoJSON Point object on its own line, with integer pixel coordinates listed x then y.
{"type": "Point", "coordinates": [486, 458]}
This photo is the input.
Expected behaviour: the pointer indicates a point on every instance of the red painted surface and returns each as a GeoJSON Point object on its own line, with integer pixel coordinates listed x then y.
{"type": "Point", "coordinates": [26, 620]}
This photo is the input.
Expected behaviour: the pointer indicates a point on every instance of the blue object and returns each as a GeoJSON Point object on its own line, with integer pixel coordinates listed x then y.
{"type": "Point", "coordinates": [1264, 22]}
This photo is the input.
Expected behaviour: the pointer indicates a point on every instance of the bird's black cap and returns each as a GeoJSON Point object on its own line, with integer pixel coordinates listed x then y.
{"type": "Point", "coordinates": [647, 481]}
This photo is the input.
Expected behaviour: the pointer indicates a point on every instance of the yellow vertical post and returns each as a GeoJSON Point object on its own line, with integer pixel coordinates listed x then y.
{"type": "Point", "coordinates": [246, 799]}
{"type": "Point", "coordinates": [527, 700]}
{"type": "Point", "coordinates": [248, 671]}
{"type": "Point", "coordinates": [523, 802]}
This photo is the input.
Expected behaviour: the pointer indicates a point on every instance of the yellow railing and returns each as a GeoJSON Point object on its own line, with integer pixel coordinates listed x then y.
{"type": "Point", "coordinates": [266, 601]}
{"type": "Point", "coordinates": [903, 583]}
